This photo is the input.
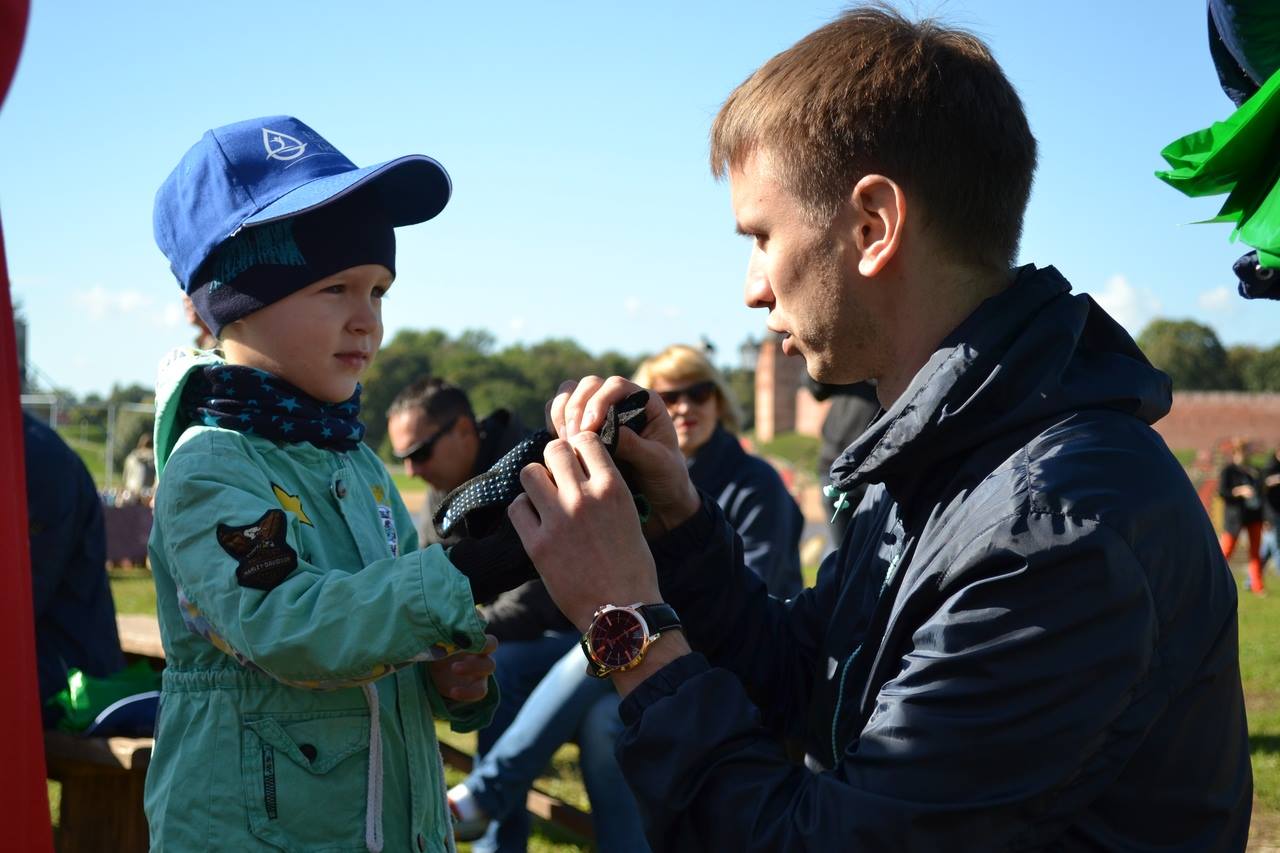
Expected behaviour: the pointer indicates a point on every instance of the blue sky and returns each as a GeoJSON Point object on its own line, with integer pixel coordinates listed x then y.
{"type": "Point", "coordinates": [575, 134]}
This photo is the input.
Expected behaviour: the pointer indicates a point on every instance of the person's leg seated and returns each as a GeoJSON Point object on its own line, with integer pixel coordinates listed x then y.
{"type": "Point", "coordinates": [614, 811]}
{"type": "Point", "coordinates": [520, 667]}
{"type": "Point", "coordinates": [551, 716]}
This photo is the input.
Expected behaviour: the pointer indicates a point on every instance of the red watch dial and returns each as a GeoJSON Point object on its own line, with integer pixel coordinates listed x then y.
{"type": "Point", "coordinates": [617, 637]}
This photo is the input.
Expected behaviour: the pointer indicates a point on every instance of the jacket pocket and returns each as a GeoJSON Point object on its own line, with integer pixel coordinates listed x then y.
{"type": "Point", "coordinates": [306, 779]}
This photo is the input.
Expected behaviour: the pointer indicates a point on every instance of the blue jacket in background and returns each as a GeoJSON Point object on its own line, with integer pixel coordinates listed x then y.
{"type": "Point", "coordinates": [75, 617]}
{"type": "Point", "coordinates": [757, 505]}
{"type": "Point", "coordinates": [1027, 640]}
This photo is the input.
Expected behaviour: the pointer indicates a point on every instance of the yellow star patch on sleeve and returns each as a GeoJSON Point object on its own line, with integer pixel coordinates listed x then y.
{"type": "Point", "coordinates": [378, 494]}
{"type": "Point", "coordinates": [292, 503]}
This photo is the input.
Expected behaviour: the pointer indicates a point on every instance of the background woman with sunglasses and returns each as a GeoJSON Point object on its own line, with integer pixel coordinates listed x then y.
{"type": "Point", "coordinates": [569, 704]}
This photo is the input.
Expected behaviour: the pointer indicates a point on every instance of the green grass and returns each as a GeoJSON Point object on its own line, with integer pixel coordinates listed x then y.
{"type": "Point", "coordinates": [801, 451]}
{"type": "Point", "coordinates": [93, 454]}
{"type": "Point", "coordinates": [133, 590]}
{"type": "Point", "coordinates": [405, 484]}
{"type": "Point", "coordinates": [1260, 672]}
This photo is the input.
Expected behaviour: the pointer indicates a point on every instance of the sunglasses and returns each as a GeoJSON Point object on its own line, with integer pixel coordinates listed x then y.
{"type": "Point", "coordinates": [420, 454]}
{"type": "Point", "coordinates": [698, 393]}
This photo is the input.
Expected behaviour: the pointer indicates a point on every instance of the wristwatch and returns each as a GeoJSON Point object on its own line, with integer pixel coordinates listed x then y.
{"type": "Point", "coordinates": [619, 636]}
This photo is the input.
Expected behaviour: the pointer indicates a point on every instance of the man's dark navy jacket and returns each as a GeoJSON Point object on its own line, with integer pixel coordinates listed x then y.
{"type": "Point", "coordinates": [1026, 641]}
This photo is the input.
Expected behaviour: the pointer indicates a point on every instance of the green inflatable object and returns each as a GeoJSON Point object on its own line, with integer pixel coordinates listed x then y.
{"type": "Point", "coordinates": [1241, 157]}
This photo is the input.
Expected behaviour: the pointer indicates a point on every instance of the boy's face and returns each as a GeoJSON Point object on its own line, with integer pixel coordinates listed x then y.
{"type": "Point", "coordinates": [321, 338]}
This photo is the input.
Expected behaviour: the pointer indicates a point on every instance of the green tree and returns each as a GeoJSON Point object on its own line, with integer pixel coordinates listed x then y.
{"type": "Point", "coordinates": [1190, 353]}
{"type": "Point", "coordinates": [520, 377]}
{"type": "Point", "coordinates": [1261, 371]}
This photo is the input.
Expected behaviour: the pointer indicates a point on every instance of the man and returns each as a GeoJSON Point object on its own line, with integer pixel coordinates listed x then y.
{"type": "Point", "coordinates": [1028, 638]}
{"type": "Point", "coordinates": [433, 429]}
{"type": "Point", "coordinates": [436, 434]}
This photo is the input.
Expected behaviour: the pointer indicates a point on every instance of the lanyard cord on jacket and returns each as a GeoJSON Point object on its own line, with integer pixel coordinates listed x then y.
{"type": "Point", "coordinates": [255, 402]}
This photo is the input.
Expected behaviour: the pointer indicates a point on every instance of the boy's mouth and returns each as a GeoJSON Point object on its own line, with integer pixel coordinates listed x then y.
{"type": "Point", "coordinates": [354, 359]}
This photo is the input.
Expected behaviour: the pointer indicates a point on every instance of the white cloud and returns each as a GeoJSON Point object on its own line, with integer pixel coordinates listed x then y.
{"type": "Point", "coordinates": [518, 324]}
{"type": "Point", "coordinates": [173, 316]}
{"type": "Point", "coordinates": [632, 306]}
{"type": "Point", "coordinates": [101, 303]}
{"type": "Point", "coordinates": [1220, 299]}
{"type": "Point", "coordinates": [1132, 307]}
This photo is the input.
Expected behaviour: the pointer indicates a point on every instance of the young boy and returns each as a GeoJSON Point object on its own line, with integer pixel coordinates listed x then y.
{"type": "Point", "coordinates": [309, 642]}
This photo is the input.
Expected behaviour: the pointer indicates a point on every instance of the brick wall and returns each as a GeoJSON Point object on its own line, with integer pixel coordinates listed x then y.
{"type": "Point", "coordinates": [778, 377]}
{"type": "Point", "coordinates": [1206, 420]}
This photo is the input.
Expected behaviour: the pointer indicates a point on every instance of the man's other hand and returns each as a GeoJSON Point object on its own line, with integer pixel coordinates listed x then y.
{"type": "Point", "coordinates": [659, 469]}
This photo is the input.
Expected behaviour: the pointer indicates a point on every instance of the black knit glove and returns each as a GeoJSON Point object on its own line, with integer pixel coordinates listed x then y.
{"type": "Point", "coordinates": [493, 563]}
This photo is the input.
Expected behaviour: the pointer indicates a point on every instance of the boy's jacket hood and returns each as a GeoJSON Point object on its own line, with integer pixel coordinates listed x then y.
{"type": "Point", "coordinates": [175, 371]}
{"type": "Point", "coordinates": [1030, 352]}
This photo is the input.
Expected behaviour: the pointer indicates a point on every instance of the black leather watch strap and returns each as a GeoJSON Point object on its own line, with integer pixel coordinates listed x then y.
{"type": "Point", "coordinates": [659, 617]}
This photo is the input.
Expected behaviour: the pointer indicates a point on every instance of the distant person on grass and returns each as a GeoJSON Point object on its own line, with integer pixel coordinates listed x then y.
{"type": "Point", "coordinates": [310, 642]}
{"type": "Point", "coordinates": [1241, 489]}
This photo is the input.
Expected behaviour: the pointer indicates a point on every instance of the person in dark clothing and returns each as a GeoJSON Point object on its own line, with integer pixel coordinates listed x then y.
{"type": "Point", "coordinates": [74, 614]}
{"type": "Point", "coordinates": [569, 704]}
{"type": "Point", "coordinates": [853, 407]}
{"type": "Point", "coordinates": [434, 431]}
{"type": "Point", "coordinates": [1270, 511]}
{"type": "Point", "coordinates": [1240, 487]}
{"type": "Point", "coordinates": [1030, 628]}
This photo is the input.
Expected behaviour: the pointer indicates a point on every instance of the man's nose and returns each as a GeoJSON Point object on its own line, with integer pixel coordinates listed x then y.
{"type": "Point", "coordinates": [758, 293]}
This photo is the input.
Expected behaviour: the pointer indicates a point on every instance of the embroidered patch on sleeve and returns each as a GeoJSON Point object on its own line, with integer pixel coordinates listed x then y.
{"type": "Point", "coordinates": [262, 549]}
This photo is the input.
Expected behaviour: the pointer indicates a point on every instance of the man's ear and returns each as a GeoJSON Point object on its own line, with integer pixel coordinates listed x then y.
{"type": "Point", "coordinates": [879, 209]}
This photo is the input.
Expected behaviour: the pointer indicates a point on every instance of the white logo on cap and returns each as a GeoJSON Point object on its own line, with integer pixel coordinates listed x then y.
{"type": "Point", "coordinates": [281, 146]}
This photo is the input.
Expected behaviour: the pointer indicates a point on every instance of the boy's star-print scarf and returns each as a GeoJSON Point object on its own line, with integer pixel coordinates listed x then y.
{"type": "Point", "coordinates": [255, 402]}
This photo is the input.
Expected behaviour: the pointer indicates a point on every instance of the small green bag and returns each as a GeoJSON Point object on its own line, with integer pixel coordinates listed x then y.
{"type": "Point", "coordinates": [85, 696]}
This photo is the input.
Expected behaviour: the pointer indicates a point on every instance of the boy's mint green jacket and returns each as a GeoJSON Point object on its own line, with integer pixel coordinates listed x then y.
{"type": "Point", "coordinates": [264, 739]}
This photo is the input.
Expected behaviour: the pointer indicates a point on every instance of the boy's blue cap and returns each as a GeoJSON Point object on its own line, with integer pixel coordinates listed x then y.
{"type": "Point", "coordinates": [265, 169]}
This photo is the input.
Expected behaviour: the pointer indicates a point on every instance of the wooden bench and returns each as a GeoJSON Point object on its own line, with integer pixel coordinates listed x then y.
{"type": "Point", "coordinates": [102, 779]}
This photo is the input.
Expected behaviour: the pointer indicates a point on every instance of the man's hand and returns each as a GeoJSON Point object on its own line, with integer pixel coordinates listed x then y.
{"type": "Point", "coordinates": [660, 472]}
{"type": "Point", "coordinates": [578, 524]}
{"type": "Point", "coordinates": [464, 677]}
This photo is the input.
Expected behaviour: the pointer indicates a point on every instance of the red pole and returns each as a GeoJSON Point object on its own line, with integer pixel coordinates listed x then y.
{"type": "Point", "coordinates": [22, 785]}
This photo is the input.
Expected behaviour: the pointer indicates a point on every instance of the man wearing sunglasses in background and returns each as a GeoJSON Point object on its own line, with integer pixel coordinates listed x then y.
{"type": "Point", "coordinates": [434, 431]}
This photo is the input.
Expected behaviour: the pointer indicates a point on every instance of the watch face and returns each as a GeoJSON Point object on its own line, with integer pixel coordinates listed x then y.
{"type": "Point", "coordinates": [617, 637]}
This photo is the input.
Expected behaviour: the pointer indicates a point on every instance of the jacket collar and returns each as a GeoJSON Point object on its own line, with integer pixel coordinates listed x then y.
{"type": "Point", "coordinates": [1029, 352]}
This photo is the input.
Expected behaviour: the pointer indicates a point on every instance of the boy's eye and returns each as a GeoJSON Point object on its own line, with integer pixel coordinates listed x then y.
{"type": "Point", "coordinates": [380, 293]}
{"type": "Point", "coordinates": [335, 288]}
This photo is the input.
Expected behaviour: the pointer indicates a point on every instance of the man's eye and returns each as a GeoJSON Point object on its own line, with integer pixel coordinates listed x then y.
{"type": "Point", "coordinates": [380, 293]}
{"type": "Point", "coordinates": [336, 288]}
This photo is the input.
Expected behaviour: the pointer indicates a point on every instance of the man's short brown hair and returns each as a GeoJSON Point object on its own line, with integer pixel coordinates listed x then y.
{"type": "Point", "coordinates": [874, 93]}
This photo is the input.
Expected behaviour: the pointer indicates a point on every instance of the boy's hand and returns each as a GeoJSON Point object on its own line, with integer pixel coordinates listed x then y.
{"type": "Point", "coordinates": [658, 468]}
{"type": "Point", "coordinates": [464, 677]}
